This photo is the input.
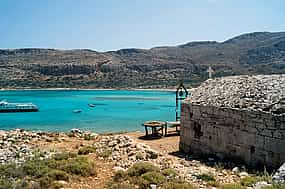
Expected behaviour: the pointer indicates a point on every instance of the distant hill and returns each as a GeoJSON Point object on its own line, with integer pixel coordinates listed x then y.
{"type": "Point", "coordinates": [253, 53]}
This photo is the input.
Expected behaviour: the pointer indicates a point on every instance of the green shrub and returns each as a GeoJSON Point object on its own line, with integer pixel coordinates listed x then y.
{"type": "Point", "coordinates": [10, 171]}
{"type": "Point", "coordinates": [45, 182]}
{"type": "Point", "coordinates": [206, 177]}
{"type": "Point", "coordinates": [58, 175]}
{"type": "Point", "coordinates": [36, 168]}
{"type": "Point", "coordinates": [119, 176]}
{"type": "Point", "coordinates": [86, 150]}
{"type": "Point", "coordinates": [169, 173]}
{"type": "Point", "coordinates": [64, 156]}
{"type": "Point", "coordinates": [23, 184]}
{"type": "Point", "coordinates": [88, 137]}
{"type": "Point", "coordinates": [275, 186]}
{"type": "Point", "coordinates": [5, 184]}
{"type": "Point", "coordinates": [153, 178]}
{"type": "Point", "coordinates": [249, 181]}
{"type": "Point", "coordinates": [176, 185]}
{"type": "Point", "coordinates": [140, 168]}
{"type": "Point", "coordinates": [121, 186]}
{"type": "Point", "coordinates": [79, 166]}
{"type": "Point", "coordinates": [213, 183]}
{"type": "Point", "coordinates": [232, 186]}
{"type": "Point", "coordinates": [45, 171]}
{"type": "Point", "coordinates": [56, 185]}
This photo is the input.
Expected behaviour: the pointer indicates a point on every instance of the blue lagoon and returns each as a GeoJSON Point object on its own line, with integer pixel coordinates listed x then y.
{"type": "Point", "coordinates": [101, 110]}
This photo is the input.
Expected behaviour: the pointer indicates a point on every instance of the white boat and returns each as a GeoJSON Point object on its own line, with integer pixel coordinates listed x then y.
{"type": "Point", "coordinates": [17, 107]}
{"type": "Point", "coordinates": [91, 105]}
{"type": "Point", "coordinates": [77, 111]}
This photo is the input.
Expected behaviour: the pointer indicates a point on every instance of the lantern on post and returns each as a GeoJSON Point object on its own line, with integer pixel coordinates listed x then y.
{"type": "Point", "coordinates": [181, 94]}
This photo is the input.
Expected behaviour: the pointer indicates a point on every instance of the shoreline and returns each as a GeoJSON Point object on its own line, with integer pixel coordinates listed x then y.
{"type": "Point", "coordinates": [87, 89]}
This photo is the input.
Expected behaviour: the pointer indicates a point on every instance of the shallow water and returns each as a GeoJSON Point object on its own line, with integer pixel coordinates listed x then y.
{"type": "Point", "coordinates": [115, 110]}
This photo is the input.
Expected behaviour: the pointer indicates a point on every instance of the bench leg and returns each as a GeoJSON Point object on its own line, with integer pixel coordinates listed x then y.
{"type": "Point", "coordinates": [146, 131]}
{"type": "Point", "coordinates": [165, 132]}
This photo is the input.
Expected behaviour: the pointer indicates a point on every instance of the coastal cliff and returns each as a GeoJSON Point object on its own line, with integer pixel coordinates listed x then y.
{"type": "Point", "coordinates": [159, 67]}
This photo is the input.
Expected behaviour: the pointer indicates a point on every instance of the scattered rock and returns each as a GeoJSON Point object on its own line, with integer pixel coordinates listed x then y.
{"type": "Point", "coordinates": [235, 170]}
{"type": "Point", "coordinates": [243, 174]}
{"type": "Point", "coordinates": [279, 176]}
{"type": "Point", "coordinates": [260, 185]}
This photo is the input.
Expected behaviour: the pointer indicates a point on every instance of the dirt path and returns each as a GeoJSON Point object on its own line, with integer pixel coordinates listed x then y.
{"type": "Point", "coordinates": [164, 145]}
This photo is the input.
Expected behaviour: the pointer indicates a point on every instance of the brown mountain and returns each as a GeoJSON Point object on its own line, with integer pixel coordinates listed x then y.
{"type": "Point", "coordinates": [253, 53]}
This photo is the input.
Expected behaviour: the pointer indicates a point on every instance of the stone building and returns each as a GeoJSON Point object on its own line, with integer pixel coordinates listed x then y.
{"type": "Point", "coordinates": [240, 117]}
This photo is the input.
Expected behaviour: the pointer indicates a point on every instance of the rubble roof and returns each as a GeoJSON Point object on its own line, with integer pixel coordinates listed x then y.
{"type": "Point", "coordinates": [259, 92]}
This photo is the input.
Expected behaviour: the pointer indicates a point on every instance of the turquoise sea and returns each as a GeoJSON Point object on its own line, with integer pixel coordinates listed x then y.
{"type": "Point", "coordinates": [115, 110]}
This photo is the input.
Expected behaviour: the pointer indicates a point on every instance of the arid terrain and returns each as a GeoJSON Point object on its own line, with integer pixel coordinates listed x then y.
{"type": "Point", "coordinates": [158, 67]}
{"type": "Point", "coordinates": [85, 160]}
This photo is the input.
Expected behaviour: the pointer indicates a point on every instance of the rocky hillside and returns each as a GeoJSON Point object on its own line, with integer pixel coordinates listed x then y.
{"type": "Point", "coordinates": [253, 53]}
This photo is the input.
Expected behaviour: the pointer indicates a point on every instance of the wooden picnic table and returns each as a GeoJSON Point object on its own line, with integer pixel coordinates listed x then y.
{"type": "Point", "coordinates": [172, 124]}
{"type": "Point", "coordinates": [155, 126]}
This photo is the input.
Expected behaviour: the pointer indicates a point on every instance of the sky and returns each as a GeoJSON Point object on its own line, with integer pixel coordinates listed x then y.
{"type": "Point", "coordinates": [105, 25]}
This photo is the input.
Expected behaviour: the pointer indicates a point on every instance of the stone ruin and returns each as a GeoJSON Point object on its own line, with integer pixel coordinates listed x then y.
{"type": "Point", "coordinates": [239, 117]}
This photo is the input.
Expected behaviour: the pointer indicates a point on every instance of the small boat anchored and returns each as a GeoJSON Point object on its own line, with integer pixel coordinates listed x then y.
{"type": "Point", "coordinates": [77, 111]}
{"type": "Point", "coordinates": [91, 105]}
{"type": "Point", "coordinates": [6, 107]}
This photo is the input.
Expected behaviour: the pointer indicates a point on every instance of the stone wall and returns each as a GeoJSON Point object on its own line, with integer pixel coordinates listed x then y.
{"type": "Point", "coordinates": [257, 138]}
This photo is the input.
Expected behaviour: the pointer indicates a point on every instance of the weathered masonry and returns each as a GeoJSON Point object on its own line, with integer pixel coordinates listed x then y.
{"type": "Point", "coordinates": [256, 137]}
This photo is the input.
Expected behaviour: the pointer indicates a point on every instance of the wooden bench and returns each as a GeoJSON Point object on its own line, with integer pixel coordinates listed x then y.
{"type": "Point", "coordinates": [172, 124]}
{"type": "Point", "coordinates": [155, 126]}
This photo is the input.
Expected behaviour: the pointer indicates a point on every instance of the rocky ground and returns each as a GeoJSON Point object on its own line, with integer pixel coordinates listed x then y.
{"type": "Point", "coordinates": [260, 92]}
{"type": "Point", "coordinates": [119, 152]}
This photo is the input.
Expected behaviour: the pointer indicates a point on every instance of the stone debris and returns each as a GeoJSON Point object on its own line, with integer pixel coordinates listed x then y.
{"type": "Point", "coordinates": [125, 151]}
{"type": "Point", "coordinates": [261, 184]}
{"type": "Point", "coordinates": [15, 145]}
{"type": "Point", "coordinates": [260, 92]}
{"type": "Point", "coordinates": [19, 145]}
{"type": "Point", "coordinates": [279, 176]}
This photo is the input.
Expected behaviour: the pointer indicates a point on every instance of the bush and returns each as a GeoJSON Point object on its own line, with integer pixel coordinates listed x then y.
{"type": "Point", "coordinates": [153, 178]}
{"type": "Point", "coordinates": [88, 137]}
{"type": "Point", "coordinates": [119, 176]}
{"type": "Point", "coordinates": [35, 168]}
{"type": "Point", "coordinates": [58, 175]}
{"type": "Point", "coordinates": [232, 186]}
{"type": "Point", "coordinates": [45, 182]}
{"type": "Point", "coordinates": [79, 166]}
{"type": "Point", "coordinates": [171, 173]}
{"type": "Point", "coordinates": [275, 186]}
{"type": "Point", "coordinates": [249, 181]}
{"type": "Point", "coordinates": [206, 177]}
{"type": "Point", "coordinates": [64, 156]}
{"type": "Point", "coordinates": [5, 184]}
{"type": "Point", "coordinates": [141, 168]}
{"type": "Point", "coordinates": [86, 150]}
{"type": "Point", "coordinates": [56, 185]}
{"type": "Point", "coordinates": [10, 171]}
{"type": "Point", "coordinates": [43, 172]}
{"type": "Point", "coordinates": [213, 183]}
{"type": "Point", "coordinates": [175, 185]}
{"type": "Point", "coordinates": [121, 186]}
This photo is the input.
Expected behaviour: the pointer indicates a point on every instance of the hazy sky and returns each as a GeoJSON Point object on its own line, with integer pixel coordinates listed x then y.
{"type": "Point", "coordinates": [113, 24]}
